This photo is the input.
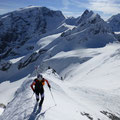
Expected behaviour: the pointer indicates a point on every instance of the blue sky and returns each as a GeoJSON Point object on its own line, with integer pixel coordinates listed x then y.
{"type": "Point", "coordinates": [106, 8]}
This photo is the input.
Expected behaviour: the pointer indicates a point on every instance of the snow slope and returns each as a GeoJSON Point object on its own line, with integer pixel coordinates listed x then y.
{"type": "Point", "coordinates": [85, 56]}
{"type": "Point", "coordinates": [90, 90]}
{"type": "Point", "coordinates": [7, 90]}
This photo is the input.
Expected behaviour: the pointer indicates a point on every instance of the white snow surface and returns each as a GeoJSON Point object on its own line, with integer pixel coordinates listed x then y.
{"type": "Point", "coordinates": [86, 83]}
{"type": "Point", "coordinates": [15, 59]}
{"type": "Point", "coordinates": [7, 91]}
{"type": "Point", "coordinates": [88, 87]}
{"type": "Point", "coordinates": [47, 40]}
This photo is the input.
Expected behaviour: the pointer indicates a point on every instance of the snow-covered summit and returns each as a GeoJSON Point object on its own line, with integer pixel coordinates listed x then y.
{"type": "Point", "coordinates": [90, 32]}
{"type": "Point", "coordinates": [114, 22]}
{"type": "Point", "coordinates": [26, 25]}
{"type": "Point", "coordinates": [83, 18]}
{"type": "Point", "coordinates": [86, 14]}
{"type": "Point", "coordinates": [89, 18]}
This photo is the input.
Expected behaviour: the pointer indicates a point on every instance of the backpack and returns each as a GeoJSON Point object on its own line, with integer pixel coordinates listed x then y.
{"type": "Point", "coordinates": [39, 84]}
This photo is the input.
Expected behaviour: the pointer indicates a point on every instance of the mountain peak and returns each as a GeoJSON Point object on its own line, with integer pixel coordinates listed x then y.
{"type": "Point", "coordinates": [86, 11]}
{"type": "Point", "coordinates": [86, 14]}
{"type": "Point", "coordinates": [26, 24]}
{"type": "Point", "coordinates": [89, 18]}
{"type": "Point", "coordinates": [90, 30]}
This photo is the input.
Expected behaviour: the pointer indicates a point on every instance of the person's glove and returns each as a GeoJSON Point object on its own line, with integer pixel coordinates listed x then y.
{"type": "Point", "coordinates": [34, 90]}
{"type": "Point", "coordinates": [49, 86]}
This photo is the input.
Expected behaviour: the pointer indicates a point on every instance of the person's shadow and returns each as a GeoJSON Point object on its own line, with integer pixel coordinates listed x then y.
{"type": "Point", "coordinates": [35, 112]}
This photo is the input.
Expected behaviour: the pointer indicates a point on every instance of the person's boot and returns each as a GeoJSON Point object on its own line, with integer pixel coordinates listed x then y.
{"type": "Point", "coordinates": [37, 99]}
{"type": "Point", "coordinates": [40, 107]}
{"type": "Point", "coordinates": [41, 101]}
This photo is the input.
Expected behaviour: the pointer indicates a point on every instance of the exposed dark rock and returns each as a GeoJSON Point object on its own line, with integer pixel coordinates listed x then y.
{"type": "Point", "coordinates": [5, 66]}
{"type": "Point", "coordinates": [33, 57]}
{"type": "Point", "coordinates": [110, 115]}
{"type": "Point", "coordinates": [87, 115]}
{"type": "Point", "coordinates": [2, 105]}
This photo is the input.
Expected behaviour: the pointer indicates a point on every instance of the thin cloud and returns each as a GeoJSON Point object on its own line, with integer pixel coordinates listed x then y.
{"type": "Point", "coordinates": [77, 3]}
{"type": "Point", "coordinates": [66, 4]}
{"type": "Point", "coordinates": [9, 6]}
{"type": "Point", "coordinates": [80, 4]}
{"type": "Point", "coordinates": [69, 14]}
{"type": "Point", "coordinates": [2, 11]}
{"type": "Point", "coordinates": [105, 6]}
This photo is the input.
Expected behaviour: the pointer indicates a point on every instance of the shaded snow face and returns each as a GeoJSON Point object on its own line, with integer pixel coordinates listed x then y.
{"type": "Point", "coordinates": [114, 22]}
{"type": "Point", "coordinates": [21, 26]}
{"type": "Point", "coordinates": [91, 32]}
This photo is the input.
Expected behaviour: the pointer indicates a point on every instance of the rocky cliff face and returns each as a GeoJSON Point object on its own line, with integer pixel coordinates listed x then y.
{"type": "Point", "coordinates": [25, 25]}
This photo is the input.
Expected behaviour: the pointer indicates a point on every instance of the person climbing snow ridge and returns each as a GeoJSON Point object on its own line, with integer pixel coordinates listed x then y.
{"type": "Point", "coordinates": [37, 87]}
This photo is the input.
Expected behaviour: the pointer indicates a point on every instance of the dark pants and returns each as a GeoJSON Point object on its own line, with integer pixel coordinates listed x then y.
{"type": "Point", "coordinates": [42, 97]}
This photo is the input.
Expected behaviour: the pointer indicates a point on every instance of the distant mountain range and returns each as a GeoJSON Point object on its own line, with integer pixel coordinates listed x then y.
{"type": "Point", "coordinates": [21, 29]}
{"type": "Point", "coordinates": [21, 32]}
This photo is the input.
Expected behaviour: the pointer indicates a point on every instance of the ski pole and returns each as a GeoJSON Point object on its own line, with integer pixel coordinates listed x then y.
{"type": "Point", "coordinates": [32, 95]}
{"type": "Point", "coordinates": [52, 97]}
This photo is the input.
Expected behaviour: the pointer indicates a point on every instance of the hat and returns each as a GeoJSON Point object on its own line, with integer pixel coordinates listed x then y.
{"type": "Point", "coordinates": [39, 77]}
